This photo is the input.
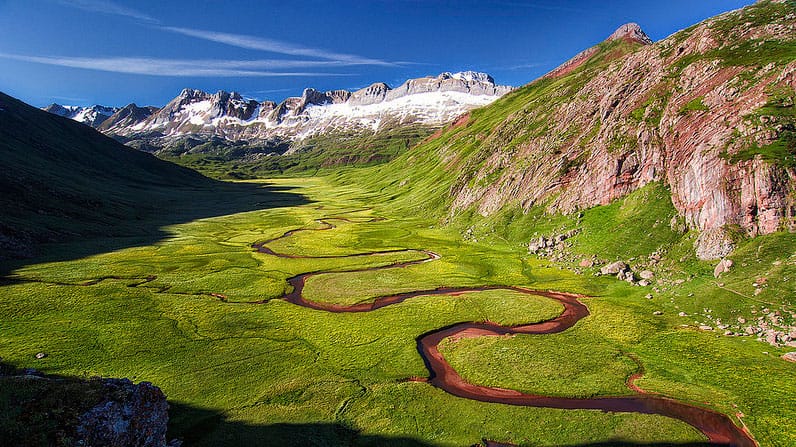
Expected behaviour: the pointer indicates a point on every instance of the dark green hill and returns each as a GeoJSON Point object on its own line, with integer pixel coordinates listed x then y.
{"type": "Point", "coordinates": [61, 180]}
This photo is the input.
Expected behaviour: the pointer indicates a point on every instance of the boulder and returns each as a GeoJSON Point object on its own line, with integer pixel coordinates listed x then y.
{"type": "Point", "coordinates": [646, 274]}
{"type": "Point", "coordinates": [537, 244]}
{"type": "Point", "coordinates": [586, 263]}
{"type": "Point", "coordinates": [790, 357]}
{"type": "Point", "coordinates": [614, 268]}
{"type": "Point", "coordinates": [131, 415]}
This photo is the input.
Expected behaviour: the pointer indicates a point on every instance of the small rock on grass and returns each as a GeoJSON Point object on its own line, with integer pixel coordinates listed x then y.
{"type": "Point", "coordinates": [41, 355]}
{"type": "Point", "coordinates": [657, 312]}
{"type": "Point", "coordinates": [723, 267]}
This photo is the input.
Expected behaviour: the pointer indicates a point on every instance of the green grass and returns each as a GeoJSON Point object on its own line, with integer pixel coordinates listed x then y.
{"type": "Point", "coordinates": [777, 116]}
{"type": "Point", "coordinates": [235, 373]}
{"type": "Point", "coordinates": [311, 156]}
{"type": "Point", "coordinates": [695, 105]}
{"type": "Point", "coordinates": [523, 363]}
{"type": "Point", "coordinates": [782, 152]}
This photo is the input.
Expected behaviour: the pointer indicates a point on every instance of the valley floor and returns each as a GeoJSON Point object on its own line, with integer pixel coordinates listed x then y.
{"type": "Point", "coordinates": [200, 314]}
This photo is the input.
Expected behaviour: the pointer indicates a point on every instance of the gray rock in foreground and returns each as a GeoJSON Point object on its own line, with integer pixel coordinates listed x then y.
{"type": "Point", "coordinates": [131, 415]}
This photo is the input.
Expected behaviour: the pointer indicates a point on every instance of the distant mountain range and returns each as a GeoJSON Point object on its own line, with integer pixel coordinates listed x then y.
{"type": "Point", "coordinates": [428, 102]}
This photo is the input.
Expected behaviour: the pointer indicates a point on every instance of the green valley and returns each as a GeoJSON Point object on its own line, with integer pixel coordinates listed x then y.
{"type": "Point", "coordinates": [236, 372]}
{"type": "Point", "coordinates": [604, 256]}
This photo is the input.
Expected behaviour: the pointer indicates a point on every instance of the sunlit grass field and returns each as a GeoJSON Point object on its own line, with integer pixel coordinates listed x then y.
{"type": "Point", "coordinates": [275, 373]}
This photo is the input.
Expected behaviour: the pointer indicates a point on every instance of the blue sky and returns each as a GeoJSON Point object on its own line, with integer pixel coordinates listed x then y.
{"type": "Point", "coordinates": [114, 52]}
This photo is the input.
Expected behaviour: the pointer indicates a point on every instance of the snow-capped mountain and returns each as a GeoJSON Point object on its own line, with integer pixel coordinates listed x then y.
{"type": "Point", "coordinates": [92, 116]}
{"type": "Point", "coordinates": [430, 101]}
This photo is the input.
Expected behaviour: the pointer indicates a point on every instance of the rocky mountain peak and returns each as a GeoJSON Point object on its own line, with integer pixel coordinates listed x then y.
{"type": "Point", "coordinates": [314, 97]}
{"type": "Point", "coordinates": [221, 95]}
{"type": "Point", "coordinates": [370, 95]}
{"type": "Point", "coordinates": [190, 93]}
{"type": "Point", "coordinates": [338, 96]}
{"type": "Point", "coordinates": [631, 32]}
{"type": "Point", "coordinates": [377, 88]}
{"type": "Point", "coordinates": [471, 76]}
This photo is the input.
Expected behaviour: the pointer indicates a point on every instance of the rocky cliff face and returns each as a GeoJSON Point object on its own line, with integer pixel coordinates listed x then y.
{"type": "Point", "coordinates": [431, 101]}
{"type": "Point", "coordinates": [708, 111]}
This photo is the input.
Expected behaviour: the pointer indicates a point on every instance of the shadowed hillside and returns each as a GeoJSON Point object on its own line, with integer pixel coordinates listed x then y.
{"type": "Point", "coordinates": [64, 181]}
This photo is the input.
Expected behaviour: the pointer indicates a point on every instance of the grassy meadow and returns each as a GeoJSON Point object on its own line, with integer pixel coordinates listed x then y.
{"type": "Point", "coordinates": [274, 373]}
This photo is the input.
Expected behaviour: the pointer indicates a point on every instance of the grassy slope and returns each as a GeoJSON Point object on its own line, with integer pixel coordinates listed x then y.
{"type": "Point", "coordinates": [421, 179]}
{"type": "Point", "coordinates": [321, 153]}
{"type": "Point", "coordinates": [238, 373]}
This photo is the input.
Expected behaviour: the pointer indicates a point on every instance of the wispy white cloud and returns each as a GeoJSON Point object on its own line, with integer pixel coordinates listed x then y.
{"type": "Point", "coordinates": [525, 66]}
{"type": "Point", "coordinates": [178, 67]}
{"type": "Point", "coordinates": [107, 7]}
{"type": "Point", "coordinates": [69, 98]}
{"type": "Point", "coordinates": [274, 46]}
{"type": "Point", "coordinates": [235, 40]}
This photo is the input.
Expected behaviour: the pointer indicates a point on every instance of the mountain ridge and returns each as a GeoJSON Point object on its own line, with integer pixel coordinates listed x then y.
{"type": "Point", "coordinates": [231, 116]}
{"type": "Point", "coordinates": [708, 112]}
